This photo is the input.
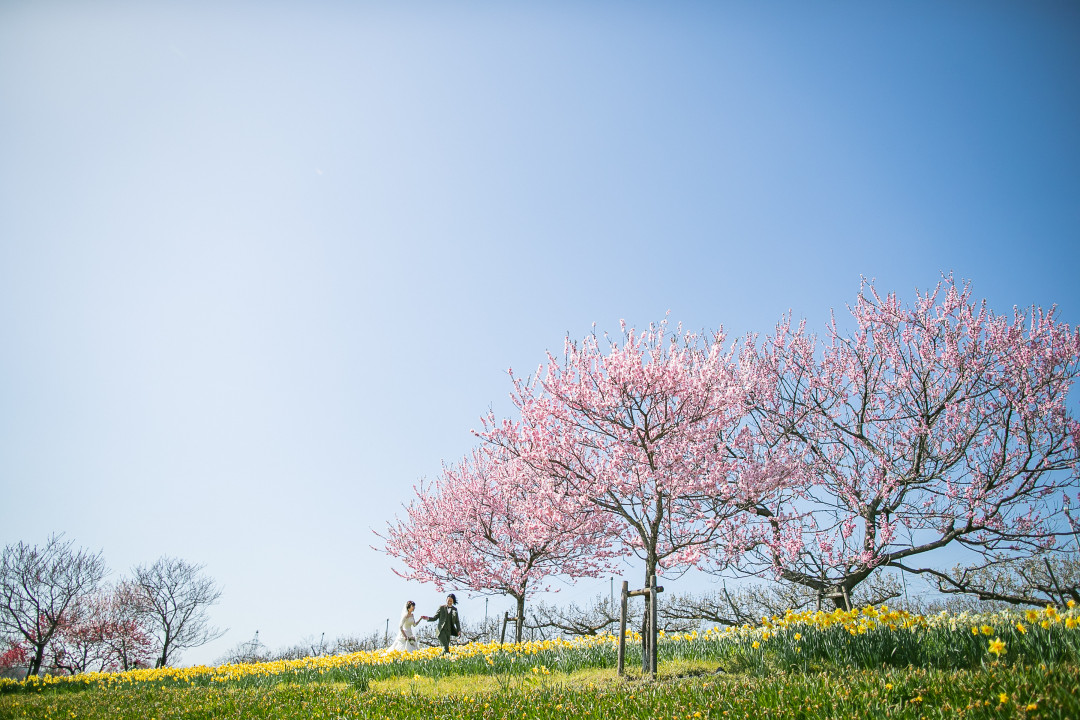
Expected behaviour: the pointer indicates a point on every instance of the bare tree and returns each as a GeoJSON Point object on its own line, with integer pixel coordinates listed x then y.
{"type": "Point", "coordinates": [477, 631]}
{"type": "Point", "coordinates": [601, 617]}
{"type": "Point", "coordinates": [1037, 579]}
{"type": "Point", "coordinates": [252, 651]}
{"type": "Point", "coordinates": [749, 604]}
{"type": "Point", "coordinates": [596, 619]}
{"type": "Point", "coordinates": [173, 597]}
{"type": "Point", "coordinates": [39, 585]}
{"type": "Point", "coordinates": [355, 643]}
{"type": "Point", "coordinates": [732, 608]}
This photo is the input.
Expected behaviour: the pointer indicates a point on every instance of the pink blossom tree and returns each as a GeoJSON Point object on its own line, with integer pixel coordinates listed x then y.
{"type": "Point", "coordinates": [39, 588]}
{"type": "Point", "coordinates": [937, 425]}
{"type": "Point", "coordinates": [101, 632]}
{"type": "Point", "coordinates": [650, 429]}
{"type": "Point", "coordinates": [13, 658]}
{"type": "Point", "coordinates": [492, 525]}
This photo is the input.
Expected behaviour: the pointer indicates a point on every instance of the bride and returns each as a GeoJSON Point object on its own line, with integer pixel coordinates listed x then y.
{"type": "Point", "coordinates": [406, 639]}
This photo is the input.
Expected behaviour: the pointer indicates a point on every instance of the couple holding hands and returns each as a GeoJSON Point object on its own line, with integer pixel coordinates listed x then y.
{"type": "Point", "coordinates": [449, 625]}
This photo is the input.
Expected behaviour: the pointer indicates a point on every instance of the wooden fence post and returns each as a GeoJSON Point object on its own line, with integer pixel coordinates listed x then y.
{"type": "Point", "coordinates": [653, 629]}
{"type": "Point", "coordinates": [622, 628]}
{"type": "Point", "coordinates": [646, 630]}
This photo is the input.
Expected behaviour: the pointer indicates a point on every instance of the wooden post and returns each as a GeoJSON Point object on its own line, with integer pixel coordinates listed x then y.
{"type": "Point", "coordinates": [506, 619]}
{"type": "Point", "coordinates": [622, 628]}
{"type": "Point", "coordinates": [646, 632]}
{"type": "Point", "coordinates": [653, 629]}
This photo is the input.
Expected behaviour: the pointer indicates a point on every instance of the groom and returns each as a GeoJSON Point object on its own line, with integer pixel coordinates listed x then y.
{"type": "Point", "coordinates": [449, 625]}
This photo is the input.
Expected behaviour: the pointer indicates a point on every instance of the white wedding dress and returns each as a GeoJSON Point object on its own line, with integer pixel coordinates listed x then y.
{"type": "Point", "coordinates": [406, 638]}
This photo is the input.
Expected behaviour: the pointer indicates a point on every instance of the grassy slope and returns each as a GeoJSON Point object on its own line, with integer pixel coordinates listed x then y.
{"type": "Point", "coordinates": [684, 690]}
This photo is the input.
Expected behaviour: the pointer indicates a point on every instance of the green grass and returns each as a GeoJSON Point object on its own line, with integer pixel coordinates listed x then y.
{"type": "Point", "coordinates": [812, 666]}
{"type": "Point", "coordinates": [885, 693]}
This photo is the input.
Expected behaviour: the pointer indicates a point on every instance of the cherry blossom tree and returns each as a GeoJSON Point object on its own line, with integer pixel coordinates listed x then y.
{"type": "Point", "coordinates": [101, 632]}
{"type": "Point", "coordinates": [492, 525]}
{"type": "Point", "coordinates": [935, 425]}
{"type": "Point", "coordinates": [40, 587]}
{"type": "Point", "coordinates": [13, 659]}
{"type": "Point", "coordinates": [129, 636]}
{"type": "Point", "coordinates": [649, 428]}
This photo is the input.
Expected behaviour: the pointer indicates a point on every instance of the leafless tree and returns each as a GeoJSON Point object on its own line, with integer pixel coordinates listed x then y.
{"type": "Point", "coordinates": [173, 598]}
{"type": "Point", "coordinates": [731, 608]}
{"type": "Point", "coordinates": [357, 643]}
{"type": "Point", "coordinates": [471, 631]}
{"type": "Point", "coordinates": [478, 631]}
{"type": "Point", "coordinates": [597, 618]}
{"type": "Point", "coordinates": [250, 651]}
{"type": "Point", "coordinates": [750, 603]}
{"type": "Point", "coordinates": [38, 585]}
{"type": "Point", "coordinates": [1038, 579]}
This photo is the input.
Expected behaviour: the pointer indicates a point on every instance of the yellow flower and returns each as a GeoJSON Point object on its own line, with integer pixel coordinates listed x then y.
{"type": "Point", "coordinates": [756, 645]}
{"type": "Point", "coordinates": [1071, 604]}
{"type": "Point", "coordinates": [975, 631]}
{"type": "Point", "coordinates": [986, 630]}
{"type": "Point", "coordinates": [1003, 698]}
{"type": "Point", "coordinates": [1020, 628]}
{"type": "Point", "coordinates": [997, 647]}
{"type": "Point", "coordinates": [888, 686]}
{"type": "Point", "coordinates": [1031, 615]}
{"type": "Point", "coordinates": [798, 636]}
{"type": "Point", "coordinates": [1051, 611]}
{"type": "Point", "coordinates": [1070, 623]}
{"type": "Point", "coordinates": [1031, 706]}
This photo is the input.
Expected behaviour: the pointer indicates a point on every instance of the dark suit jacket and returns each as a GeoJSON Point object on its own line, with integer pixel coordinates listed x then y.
{"type": "Point", "coordinates": [448, 622]}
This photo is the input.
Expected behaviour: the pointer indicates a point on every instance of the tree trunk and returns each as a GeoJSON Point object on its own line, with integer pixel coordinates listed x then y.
{"type": "Point", "coordinates": [35, 662]}
{"type": "Point", "coordinates": [650, 571]}
{"type": "Point", "coordinates": [520, 617]}
{"type": "Point", "coordinates": [164, 655]}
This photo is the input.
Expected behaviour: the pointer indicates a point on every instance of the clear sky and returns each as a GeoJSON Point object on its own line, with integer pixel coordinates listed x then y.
{"type": "Point", "coordinates": [263, 265]}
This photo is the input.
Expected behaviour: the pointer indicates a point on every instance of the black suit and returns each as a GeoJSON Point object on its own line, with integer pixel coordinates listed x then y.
{"type": "Point", "coordinates": [449, 625]}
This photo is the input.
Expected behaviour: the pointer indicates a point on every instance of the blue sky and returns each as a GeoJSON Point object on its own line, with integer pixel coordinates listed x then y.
{"type": "Point", "coordinates": [264, 265]}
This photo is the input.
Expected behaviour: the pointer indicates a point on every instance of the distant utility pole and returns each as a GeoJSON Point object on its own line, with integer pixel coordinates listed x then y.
{"type": "Point", "coordinates": [254, 647]}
